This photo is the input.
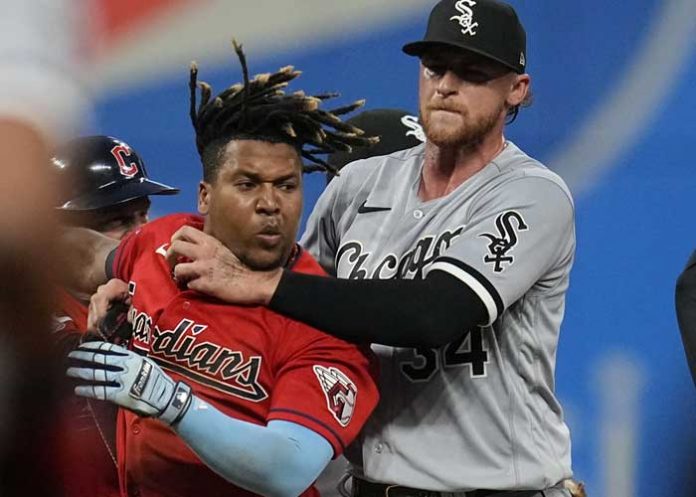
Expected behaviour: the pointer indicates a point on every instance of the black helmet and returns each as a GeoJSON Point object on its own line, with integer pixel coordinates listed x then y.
{"type": "Point", "coordinates": [396, 128]}
{"type": "Point", "coordinates": [101, 171]}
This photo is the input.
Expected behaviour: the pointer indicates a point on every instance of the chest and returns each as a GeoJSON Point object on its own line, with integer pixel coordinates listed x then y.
{"type": "Point", "coordinates": [401, 243]}
{"type": "Point", "coordinates": [225, 352]}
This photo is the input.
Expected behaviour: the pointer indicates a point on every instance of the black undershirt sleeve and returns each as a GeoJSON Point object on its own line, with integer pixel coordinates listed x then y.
{"type": "Point", "coordinates": [109, 264]}
{"type": "Point", "coordinates": [685, 300]}
{"type": "Point", "coordinates": [402, 313]}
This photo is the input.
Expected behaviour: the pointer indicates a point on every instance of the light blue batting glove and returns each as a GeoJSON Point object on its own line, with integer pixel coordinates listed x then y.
{"type": "Point", "coordinates": [110, 372]}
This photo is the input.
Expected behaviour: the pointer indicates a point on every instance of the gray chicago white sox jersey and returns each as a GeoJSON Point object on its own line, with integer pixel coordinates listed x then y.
{"type": "Point", "coordinates": [480, 412]}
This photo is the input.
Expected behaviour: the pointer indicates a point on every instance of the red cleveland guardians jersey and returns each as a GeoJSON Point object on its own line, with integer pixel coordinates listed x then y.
{"type": "Point", "coordinates": [85, 429]}
{"type": "Point", "coordinates": [247, 361]}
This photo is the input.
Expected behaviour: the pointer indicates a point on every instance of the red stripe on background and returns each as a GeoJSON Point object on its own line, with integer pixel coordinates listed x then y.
{"type": "Point", "coordinates": [120, 16]}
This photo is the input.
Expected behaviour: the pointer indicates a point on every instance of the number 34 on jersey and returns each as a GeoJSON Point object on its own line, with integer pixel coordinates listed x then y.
{"type": "Point", "coordinates": [468, 351]}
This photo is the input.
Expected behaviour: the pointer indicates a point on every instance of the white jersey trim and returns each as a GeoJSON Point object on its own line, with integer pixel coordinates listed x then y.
{"type": "Point", "coordinates": [472, 283]}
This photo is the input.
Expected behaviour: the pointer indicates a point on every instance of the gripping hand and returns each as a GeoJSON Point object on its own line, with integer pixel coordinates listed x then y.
{"type": "Point", "coordinates": [106, 371]}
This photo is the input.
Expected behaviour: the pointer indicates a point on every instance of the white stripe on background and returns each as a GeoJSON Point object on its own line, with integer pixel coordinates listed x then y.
{"type": "Point", "coordinates": [620, 382]}
{"type": "Point", "coordinates": [203, 32]}
{"type": "Point", "coordinates": [634, 101]}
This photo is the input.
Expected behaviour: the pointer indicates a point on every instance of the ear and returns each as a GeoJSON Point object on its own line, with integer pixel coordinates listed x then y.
{"type": "Point", "coordinates": [518, 90]}
{"type": "Point", "coordinates": [204, 197]}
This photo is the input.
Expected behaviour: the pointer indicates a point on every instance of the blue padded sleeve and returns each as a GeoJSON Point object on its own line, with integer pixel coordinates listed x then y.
{"type": "Point", "coordinates": [280, 459]}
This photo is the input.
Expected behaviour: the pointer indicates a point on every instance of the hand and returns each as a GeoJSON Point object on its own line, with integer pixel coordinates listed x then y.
{"type": "Point", "coordinates": [201, 262]}
{"type": "Point", "coordinates": [113, 291]}
{"type": "Point", "coordinates": [110, 372]}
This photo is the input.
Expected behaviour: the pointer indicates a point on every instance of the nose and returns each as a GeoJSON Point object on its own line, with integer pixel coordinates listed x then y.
{"type": "Point", "coordinates": [267, 201]}
{"type": "Point", "coordinates": [447, 84]}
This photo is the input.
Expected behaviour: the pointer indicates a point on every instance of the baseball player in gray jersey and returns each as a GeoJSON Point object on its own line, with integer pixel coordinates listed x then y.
{"type": "Point", "coordinates": [453, 258]}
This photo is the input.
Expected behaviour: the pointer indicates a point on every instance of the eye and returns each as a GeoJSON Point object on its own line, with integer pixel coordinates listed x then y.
{"type": "Point", "coordinates": [432, 70]}
{"type": "Point", "coordinates": [475, 76]}
{"type": "Point", "coordinates": [245, 185]}
{"type": "Point", "coordinates": [288, 186]}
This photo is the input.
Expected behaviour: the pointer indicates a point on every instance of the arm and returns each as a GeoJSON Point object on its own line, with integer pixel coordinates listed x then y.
{"type": "Point", "coordinates": [401, 313]}
{"type": "Point", "coordinates": [685, 300]}
{"type": "Point", "coordinates": [390, 312]}
{"type": "Point", "coordinates": [451, 300]}
{"type": "Point", "coordinates": [280, 459]}
{"type": "Point", "coordinates": [84, 254]}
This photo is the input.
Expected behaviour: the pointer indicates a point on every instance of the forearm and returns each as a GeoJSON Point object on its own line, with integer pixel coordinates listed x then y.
{"type": "Point", "coordinates": [281, 459]}
{"type": "Point", "coordinates": [83, 254]}
{"type": "Point", "coordinates": [401, 313]}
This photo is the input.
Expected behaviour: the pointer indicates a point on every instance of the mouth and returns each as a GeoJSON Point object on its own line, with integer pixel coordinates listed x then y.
{"type": "Point", "coordinates": [444, 109]}
{"type": "Point", "coordinates": [269, 236]}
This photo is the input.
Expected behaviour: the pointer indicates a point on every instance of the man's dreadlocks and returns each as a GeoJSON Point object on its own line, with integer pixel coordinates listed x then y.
{"type": "Point", "coordinates": [260, 109]}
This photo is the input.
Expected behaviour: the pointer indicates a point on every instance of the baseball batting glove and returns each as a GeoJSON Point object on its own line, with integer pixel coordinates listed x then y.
{"type": "Point", "coordinates": [109, 372]}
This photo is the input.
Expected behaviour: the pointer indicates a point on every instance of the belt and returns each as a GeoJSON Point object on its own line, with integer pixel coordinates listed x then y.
{"type": "Point", "coordinates": [364, 488]}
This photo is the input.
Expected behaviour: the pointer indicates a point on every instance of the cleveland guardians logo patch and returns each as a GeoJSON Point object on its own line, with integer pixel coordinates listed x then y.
{"type": "Point", "coordinates": [500, 245]}
{"type": "Point", "coordinates": [340, 393]}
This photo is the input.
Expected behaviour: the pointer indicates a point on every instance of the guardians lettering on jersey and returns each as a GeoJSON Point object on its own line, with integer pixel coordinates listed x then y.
{"type": "Point", "coordinates": [181, 350]}
{"type": "Point", "coordinates": [185, 350]}
{"type": "Point", "coordinates": [353, 256]}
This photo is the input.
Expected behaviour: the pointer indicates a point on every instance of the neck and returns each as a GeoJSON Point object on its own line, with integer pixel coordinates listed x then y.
{"type": "Point", "coordinates": [448, 167]}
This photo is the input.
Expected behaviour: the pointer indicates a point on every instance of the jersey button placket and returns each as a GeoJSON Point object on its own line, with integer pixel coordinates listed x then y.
{"type": "Point", "coordinates": [418, 214]}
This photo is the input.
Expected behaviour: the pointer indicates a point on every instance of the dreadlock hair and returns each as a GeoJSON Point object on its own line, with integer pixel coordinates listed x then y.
{"type": "Point", "coordinates": [259, 109]}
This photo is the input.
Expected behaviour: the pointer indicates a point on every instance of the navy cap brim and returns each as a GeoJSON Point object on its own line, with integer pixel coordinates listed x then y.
{"type": "Point", "coordinates": [418, 48]}
{"type": "Point", "coordinates": [118, 193]}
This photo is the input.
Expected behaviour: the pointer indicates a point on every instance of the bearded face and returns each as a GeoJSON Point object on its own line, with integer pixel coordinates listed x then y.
{"type": "Point", "coordinates": [455, 125]}
{"type": "Point", "coordinates": [462, 97]}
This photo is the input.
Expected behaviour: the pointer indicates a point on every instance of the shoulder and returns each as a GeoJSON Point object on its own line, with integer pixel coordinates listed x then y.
{"type": "Point", "coordinates": [376, 178]}
{"type": "Point", "coordinates": [379, 163]}
{"type": "Point", "coordinates": [522, 175]}
{"type": "Point", "coordinates": [151, 238]}
{"type": "Point", "coordinates": [164, 227]}
{"type": "Point", "coordinates": [173, 222]}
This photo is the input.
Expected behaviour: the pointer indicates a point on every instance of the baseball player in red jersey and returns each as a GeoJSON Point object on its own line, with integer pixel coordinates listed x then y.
{"type": "Point", "coordinates": [105, 187]}
{"type": "Point", "coordinates": [219, 399]}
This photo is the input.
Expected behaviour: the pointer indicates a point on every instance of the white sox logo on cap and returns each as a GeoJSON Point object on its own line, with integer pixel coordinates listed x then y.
{"type": "Point", "coordinates": [340, 392]}
{"type": "Point", "coordinates": [466, 17]}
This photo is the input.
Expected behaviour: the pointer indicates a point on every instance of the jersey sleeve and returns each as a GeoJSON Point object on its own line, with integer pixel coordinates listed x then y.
{"type": "Point", "coordinates": [328, 386]}
{"type": "Point", "coordinates": [320, 237]}
{"type": "Point", "coordinates": [518, 235]}
{"type": "Point", "coordinates": [127, 252]}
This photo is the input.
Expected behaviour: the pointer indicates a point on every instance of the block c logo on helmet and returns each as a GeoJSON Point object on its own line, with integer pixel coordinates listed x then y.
{"type": "Point", "coordinates": [120, 153]}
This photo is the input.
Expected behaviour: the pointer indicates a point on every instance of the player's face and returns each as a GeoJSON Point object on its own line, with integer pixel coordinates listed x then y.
{"type": "Point", "coordinates": [464, 96]}
{"type": "Point", "coordinates": [254, 205]}
{"type": "Point", "coordinates": [114, 221]}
